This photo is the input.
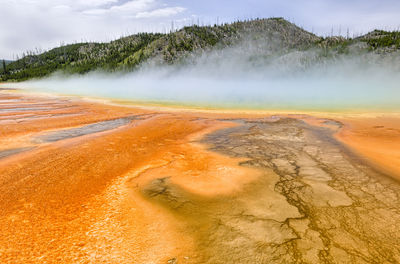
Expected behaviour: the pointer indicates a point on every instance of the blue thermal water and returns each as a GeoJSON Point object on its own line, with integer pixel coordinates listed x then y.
{"type": "Point", "coordinates": [300, 92]}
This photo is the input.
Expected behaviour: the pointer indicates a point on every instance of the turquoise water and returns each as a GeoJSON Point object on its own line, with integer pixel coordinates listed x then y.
{"type": "Point", "coordinates": [300, 92]}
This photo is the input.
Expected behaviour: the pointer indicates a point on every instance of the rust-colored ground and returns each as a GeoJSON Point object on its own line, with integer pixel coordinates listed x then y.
{"type": "Point", "coordinates": [77, 200]}
{"type": "Point", "coordinates": [85, 199]}
{"type": "Point", "coordinates": [376, 137]}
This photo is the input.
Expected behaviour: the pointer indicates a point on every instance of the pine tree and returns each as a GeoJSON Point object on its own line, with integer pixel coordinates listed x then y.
{"type": "Point", "coordinates": [4, 67]}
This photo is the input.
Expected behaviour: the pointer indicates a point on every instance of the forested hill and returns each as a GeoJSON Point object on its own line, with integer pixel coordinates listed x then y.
{"type": "Point", "coordinates": [4, 63]}
{"type": "Point", "coordinates": [128, 53]}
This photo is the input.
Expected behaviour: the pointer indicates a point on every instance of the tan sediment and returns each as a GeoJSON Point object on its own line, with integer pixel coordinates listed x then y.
{"type": "Point", "coordinates": [375, 137]}
{"type": "Point", "coordinates": [200, 171]}
{"type": "Point", "coordinates": [346, 212]}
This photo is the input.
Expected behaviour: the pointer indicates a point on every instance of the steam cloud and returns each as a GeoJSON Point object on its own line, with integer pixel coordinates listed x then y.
{"type": "Point", "coordinates": [239, 77]}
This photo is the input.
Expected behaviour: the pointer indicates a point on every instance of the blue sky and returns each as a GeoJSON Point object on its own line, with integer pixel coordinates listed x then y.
{"type": "Point", "coordinates": [42, 24]}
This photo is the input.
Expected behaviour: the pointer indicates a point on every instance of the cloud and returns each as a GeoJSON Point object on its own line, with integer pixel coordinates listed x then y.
{"type": "Point", "coordinates": [162, 12]}
{"type": "Point", "coordinates": [358, 16]}
{"type": "Point", "coordinates": [30, 24]}
{"type": "Point", "coordinates": [94, 3]}
{"type": "Point", "coordinates": [132, 7]}
{"type": "Point", "coordinates": [26, 24]}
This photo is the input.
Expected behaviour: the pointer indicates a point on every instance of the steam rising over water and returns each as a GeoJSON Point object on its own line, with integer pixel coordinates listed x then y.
{"type": "Point", "coordinates": [340, 85]}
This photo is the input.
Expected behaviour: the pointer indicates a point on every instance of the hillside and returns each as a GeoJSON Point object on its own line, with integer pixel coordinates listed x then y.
{"type": "Point", "coordinates": [128, 53]}
{"type": "Point", "coordinates": [6, 63]}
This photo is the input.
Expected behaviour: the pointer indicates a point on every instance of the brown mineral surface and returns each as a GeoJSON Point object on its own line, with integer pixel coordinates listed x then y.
{"type": "Point", "coordinates": [86, 182]}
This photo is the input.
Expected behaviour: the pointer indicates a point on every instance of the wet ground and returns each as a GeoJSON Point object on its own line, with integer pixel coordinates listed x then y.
{"type": "Point", "coordinates": [85, 130]}
{"type": "Point", "coordinates": [89, 183]}
{"type": "Point", "coordinates": [10, 152]}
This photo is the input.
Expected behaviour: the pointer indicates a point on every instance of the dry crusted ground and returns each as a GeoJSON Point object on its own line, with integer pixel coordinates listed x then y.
{"type": "Point", "coordinates": [89, 183]}
{"type": "Point", "coordinates": [315, 203]}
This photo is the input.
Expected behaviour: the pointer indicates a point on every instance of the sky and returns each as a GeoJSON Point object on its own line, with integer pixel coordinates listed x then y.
{"type": "Point", "coordinates": [43, 24]}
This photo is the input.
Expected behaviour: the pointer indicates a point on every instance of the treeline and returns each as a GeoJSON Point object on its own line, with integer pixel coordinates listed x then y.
{"type": "Point", "coordinates": [128, 53]}
{"type": "Point", "coordinates": [78, 58]}
{"type": "Point", "coordinates": [3, 65]}
{"type": "Point", "coordinates": [383, 39]}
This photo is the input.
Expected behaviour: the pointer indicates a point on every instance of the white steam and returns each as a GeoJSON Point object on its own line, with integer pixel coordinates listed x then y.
{"type": "Point", "coordinates": [240, 78]}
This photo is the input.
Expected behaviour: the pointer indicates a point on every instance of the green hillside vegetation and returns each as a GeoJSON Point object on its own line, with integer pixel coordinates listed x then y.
{"type": "Point", "coordinates": [382, 39]}
{"type": "Point", "coordinates": [128, 53]}
{"type": "Point", "coordinates": [3, 64]}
